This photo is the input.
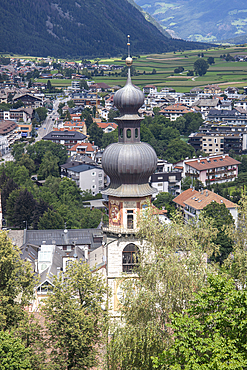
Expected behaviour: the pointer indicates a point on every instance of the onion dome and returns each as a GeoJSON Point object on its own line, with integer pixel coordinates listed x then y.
{"type": "Point", "coordinates": [130, 98]}
{"type": "Point", "coordinates": [129, 167]}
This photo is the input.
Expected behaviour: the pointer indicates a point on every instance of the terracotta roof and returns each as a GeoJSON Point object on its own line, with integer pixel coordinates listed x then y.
{"type": "Point", "coordinates": [199, 200]}
{"type": "Point", "coordinates": [106, 124]}
{"type": "Point", "coordinates": [212, 162]}
{"type": "Point", "coordinates": [87, 146]}
{"type": "Point", "coordinates": [176, 108]}
{"type": "Point", "coordinates": [181, 198]}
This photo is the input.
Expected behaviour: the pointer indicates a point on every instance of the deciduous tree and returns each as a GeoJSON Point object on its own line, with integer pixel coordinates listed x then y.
{"type": "Point", "coordinates": [201, 67]}
{"type": "Point", "coordinates": [76, 317]}
{"type": "Point", "coordinates": [211, 334]}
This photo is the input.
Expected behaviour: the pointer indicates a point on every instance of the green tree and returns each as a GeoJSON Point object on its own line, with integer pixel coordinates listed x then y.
{"type": "Point", "coordinates": [76, 326]}
{"type": "Point", "coordinates": [13, 354]}
{"type": "Point", "coordinates": [27, 162]}
{"type": "Point", "coordinates": [95, 134]}
{"type": "Point", "coordinates": [109, 138]}
{"type": "Point", "coordinates": [50, 220]}
{"type": "Point", "coordinates": [48, 86]}
{"type": "Point", "coordinates": [42, 113]}
{"type": "Point", "coordinates": [201, 67]}
{"type": "Point", "coordinates": [211, 334]}
{"type": "Point", "coordinates": [222, 218]}
{"type": "Point", "coordinates": [16, 284]}
{"type": "Point", "coordinates": [40, 148]}
{"type": "Point", "coordinates": [88, 120]}
{"type": "Point", "coordinates": [171, 267]}
{"type": "Point", "coordinates": [49, 166]}
{"type": "Point", "coordinates": [18, 150]}
{"type": "Point", "coordinates": [165, 200]}
{"type": "Point", "coordinates": [20, 207]}
{"type": "Point", "coordinates": [210, 60]}
{"type": "Point", "coordinates": [112, 115]}
{"type": "Point", "coordinates": [67, 116]}
{"type": "Point", "coordinates": [177, 150]}
{"type": "Point", "coordinates": [70, 103]}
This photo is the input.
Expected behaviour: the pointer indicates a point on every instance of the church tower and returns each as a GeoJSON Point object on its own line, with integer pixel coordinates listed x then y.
{"type": "Point", "coordinates": [129, 163]}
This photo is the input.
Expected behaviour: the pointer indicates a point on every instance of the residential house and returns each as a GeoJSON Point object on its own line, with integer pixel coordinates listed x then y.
{"type": "Point", "coordinates": [212, 142]}
{"type": "Point", "coordinates": [175, 111]}
{"type": "Point", "coordinates": [188, 99]}
{"type": "Point", "coordinates": [235, 116]}
{"type": "Point", "coordinates": [107, 126]}
{"type": "Point", "coordinates": [206, 105]}
{"type": "Point", "coordinates": [25, 129]}
{"type": "Point", "coordinates": [28, 100]}
{"type": "Point", "coordinates": [75, 125]}
{"type": "Point", "coordinates": [9, 129]}
{"type": "Point", "coordinates": [192, 202]}
{"type": "Point", "coordinates": [212, 89]}
{"type": "Point", "coordinates": [67, 138]}
{"type": "Point", "coordinates": [241, 104]}
{"type": "Point", "coordinates": [84, 148]}
{"type": "Point", "coordinates": [87, 177]}
{"type": "Point", "coordinates": [50, 252]}
{"type": "Point", "coordinates": [19, 114]}
{"type": "Point", "coordinates": [210, 170]}
{"type": "Point", "coordinates": [165, 179]}
{"type": "Point", "coordinates": [149, 89]}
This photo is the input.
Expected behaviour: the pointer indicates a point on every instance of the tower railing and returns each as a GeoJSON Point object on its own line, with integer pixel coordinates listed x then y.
{"type": "Point", "coordinates": [118, 229]}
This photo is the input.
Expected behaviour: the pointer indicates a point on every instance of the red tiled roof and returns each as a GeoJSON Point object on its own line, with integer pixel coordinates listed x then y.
{"type": "Point", "coordinates": [199, 200]}
{"type": "Point", "coordinates": [106, 124]}
{"type": "Point", "coordinates": [184, 196]}
{"type": "Point", "coordinates": [87, 146]}
{"type": "Point", "coordinates": [212, 162]}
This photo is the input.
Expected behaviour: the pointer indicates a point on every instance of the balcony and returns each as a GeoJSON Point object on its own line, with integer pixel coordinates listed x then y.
{"type": "Point", "coordinates": [118, 229]}
{"type": "Point", "coordinates": [222, 178]}
{"type": "Point", "coordinates": [192, 174]}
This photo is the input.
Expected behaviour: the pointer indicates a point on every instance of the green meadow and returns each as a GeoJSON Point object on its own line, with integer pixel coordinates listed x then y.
{"type": "Point", "coordinates": [221, 73]}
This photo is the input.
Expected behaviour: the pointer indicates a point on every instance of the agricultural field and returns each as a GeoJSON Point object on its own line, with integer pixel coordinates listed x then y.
{"type": "Point", "coordinates": [222, 73]}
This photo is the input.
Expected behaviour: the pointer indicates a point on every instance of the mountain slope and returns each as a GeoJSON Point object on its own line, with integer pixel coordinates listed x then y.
{"type": "Point", "coordinates": [200, 20]}
{"type": "Point", "coordinates": [64, 28]}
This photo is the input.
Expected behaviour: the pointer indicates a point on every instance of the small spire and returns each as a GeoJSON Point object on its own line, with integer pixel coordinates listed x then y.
{"type": "Point", "coordinates": [128, 44]}
{"type": "Point", "coordinates": [128, 61]}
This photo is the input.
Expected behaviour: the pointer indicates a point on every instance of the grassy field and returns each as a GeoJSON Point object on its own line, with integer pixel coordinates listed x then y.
{"type": "Point", "coordinates": [222, 73]}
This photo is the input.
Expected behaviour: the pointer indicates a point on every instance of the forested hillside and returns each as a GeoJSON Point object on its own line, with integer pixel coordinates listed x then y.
{"type": "Point", "coordinates": [64, 28]}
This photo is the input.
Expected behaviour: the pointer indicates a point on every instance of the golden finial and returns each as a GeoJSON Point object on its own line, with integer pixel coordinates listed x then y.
{"type": "Point", "coordinates": [128, 60]}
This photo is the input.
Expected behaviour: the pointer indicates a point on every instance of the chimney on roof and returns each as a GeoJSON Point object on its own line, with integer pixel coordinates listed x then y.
{"type": "Point", "coordinates": [206, 193]}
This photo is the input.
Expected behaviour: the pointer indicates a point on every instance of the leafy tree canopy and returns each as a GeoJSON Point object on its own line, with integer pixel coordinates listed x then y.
{"type": "Point", "coordinates": [211, 334]}
{"type": "Point", "coordinates": [201, 67]}
{"type": "Point", "coordinates": [83, 316]}
{"type": "Point", "coordinates": [13, 354]}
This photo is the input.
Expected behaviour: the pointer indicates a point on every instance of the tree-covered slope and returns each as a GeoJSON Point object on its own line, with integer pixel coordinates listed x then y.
{"type": "Point", "coordinates": [64, 28]}
{"type": "Point", "coordinates": [200, 20]}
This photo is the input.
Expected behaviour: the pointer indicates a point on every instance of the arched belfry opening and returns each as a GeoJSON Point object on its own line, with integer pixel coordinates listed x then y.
{"type": "Point", "coordinates": [130, 257]}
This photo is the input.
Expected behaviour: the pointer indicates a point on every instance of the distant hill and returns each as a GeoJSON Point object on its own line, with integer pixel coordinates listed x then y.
{"type": "Point", "coordinates": [79, 28]}
{"type": "Point", "coordinates": [200, 20]}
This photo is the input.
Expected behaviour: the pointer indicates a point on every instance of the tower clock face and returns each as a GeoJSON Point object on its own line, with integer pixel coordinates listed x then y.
{"type": "Point", "coordinates": [115, 214]}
